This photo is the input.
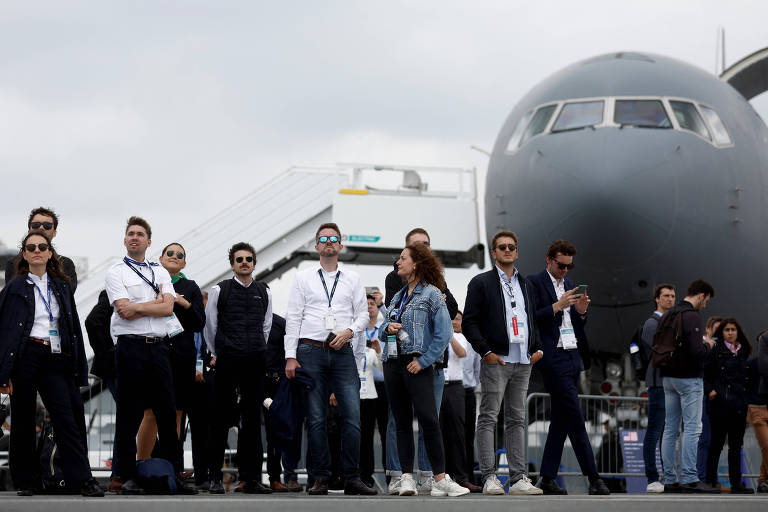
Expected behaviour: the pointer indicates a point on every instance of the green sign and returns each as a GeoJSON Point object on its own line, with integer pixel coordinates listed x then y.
{"type": "Point", "coordinates": [364, 238]}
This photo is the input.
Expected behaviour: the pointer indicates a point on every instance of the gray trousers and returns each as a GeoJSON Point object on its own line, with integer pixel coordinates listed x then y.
{"type": "Point", "coordinates": [510, 384]}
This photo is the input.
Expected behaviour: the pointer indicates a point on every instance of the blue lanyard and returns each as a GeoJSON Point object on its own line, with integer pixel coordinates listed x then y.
{"type": "Point", "coordinates": [128, 262]}
{"type": "Point", "coordinates": [46, 303]}
{"type": "Point", "coordinates": [508, 288]}
{"type": "Point", "coordinates": [371, 335]}
{"type": "Point", "coordinates": [404, 300]}
{"type": "Point", "coordinates": [333, 290]}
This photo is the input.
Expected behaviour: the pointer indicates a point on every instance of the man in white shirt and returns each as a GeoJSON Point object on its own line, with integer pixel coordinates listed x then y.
{"type": "Point", "coordinates": [327, 309]}
{"type": "Point", "coordinates": [238, 318]}
{"type": "Point", "coordinates": [142, 296]}
{"type": "Point", "coordinates": [452, 413]}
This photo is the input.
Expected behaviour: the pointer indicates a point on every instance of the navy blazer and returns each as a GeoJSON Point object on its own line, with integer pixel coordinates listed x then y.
{"type": "Point", "coordinates": [484, 323]}
{"type": "Point", "coordinates": [549, 322]}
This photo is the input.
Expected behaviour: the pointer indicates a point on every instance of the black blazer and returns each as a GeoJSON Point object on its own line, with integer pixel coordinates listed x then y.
{"type": "Point", "coordinates": [97, 325]}
{"type": "Point", "coordinates": [549, 322]}
{"type": "Point", "coordinates": [485, 318]}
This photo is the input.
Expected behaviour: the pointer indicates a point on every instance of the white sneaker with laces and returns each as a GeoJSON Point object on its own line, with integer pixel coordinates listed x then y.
{"type": "Point", "coordinates": [447, 487]}
{"type": "Point", "coordinates": [524, 486]}
{"type": "Point", "coordinates": [426, 483]}
{"type": "Point", "coordinates": [408, 486]}
{"type": "Point", "coordinates": [493, 486]}
{"type": "Point", "coordinates": [655, 487]}
{"type": "Point", "coordinates": [394, 485]}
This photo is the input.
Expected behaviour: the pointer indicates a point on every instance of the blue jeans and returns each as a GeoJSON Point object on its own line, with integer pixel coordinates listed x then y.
{"type": "Point", "coordinates": [393, 461]}
{"type": "Point", "coordinates": [332, 371]}
{"type": "Point", "coordinates": [682, 400]}
{"type": "Point", "coordinates": [656, 414]}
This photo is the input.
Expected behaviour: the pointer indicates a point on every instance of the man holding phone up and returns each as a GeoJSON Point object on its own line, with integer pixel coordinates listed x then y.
{"type": "Point", "coordinates": [561, 310]}
{"type": "Point", "coordinates": [326, 310]}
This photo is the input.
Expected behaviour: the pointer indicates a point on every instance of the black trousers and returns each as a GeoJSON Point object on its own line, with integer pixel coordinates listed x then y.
{"type": "Point", "coordinates": [367, 427]}
{"type": "Point", "coordinates": [275, 454]}
{"type": "Point", "coordinates": [145, 382]}
{"type": "Point", "coordinates": [408, 393]}
{"type": "Point", "coordinates": [470, 423]}
{"type": "Point", "coordinates": [382, 419]}
{"type": "Point", "coordinates": [200, 413]}
{"type": "Point", "coordinates": [730, 423]}
{"type": "Point", "coordinates": [452, 424]}
{"type": "Point", "coordinates": [246, 374]}
{"type": "Point", "coordinates": [37, 370]}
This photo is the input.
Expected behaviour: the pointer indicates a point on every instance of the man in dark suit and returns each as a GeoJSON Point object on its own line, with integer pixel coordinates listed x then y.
{"type": "Point", "coordinates": [561, 313]}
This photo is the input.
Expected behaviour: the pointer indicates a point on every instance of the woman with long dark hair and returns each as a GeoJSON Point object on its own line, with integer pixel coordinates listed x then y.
{"type": "Point", "coordinates": [41, 350]}
{"type": "Point", "coordinates": [727, 380]}
{"type": "Point", "coordinates": [414, 335]}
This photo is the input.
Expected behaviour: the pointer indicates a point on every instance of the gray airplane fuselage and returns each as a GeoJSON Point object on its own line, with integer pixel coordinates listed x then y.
{"type": "Point", "coordinates": [643, 206]}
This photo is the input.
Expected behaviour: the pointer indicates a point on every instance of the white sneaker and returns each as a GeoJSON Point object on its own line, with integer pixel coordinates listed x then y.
{"type": "Point", "coordinates": [447, 487]}
{"type": "Point", "coordinates": [394, 485]}
{"type": "Point", "coordinates": [524, 486]}
{"type": "Point", "coordinates": [426, 483]}
{"type": "Point", "coordinates": [408, 486]}
{"type": "Point", "coordinates": [655, 487]}
{"type": "Point", "coordinates": [492, 486]}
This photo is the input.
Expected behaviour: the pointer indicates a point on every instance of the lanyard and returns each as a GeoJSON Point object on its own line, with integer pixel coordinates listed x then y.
{"type": "Point", "coordinates": [150, 283]}
{"type": "Point", "coordinates": [325, 287]}
{"type": "Point", "coordinates": [372, 334]}
{"type": "Point", "coordinates": [508, 288]}
{"type": "Point", "coordinates": [405, 298]}
{"type": "Point", "coordinates": [46, 303]}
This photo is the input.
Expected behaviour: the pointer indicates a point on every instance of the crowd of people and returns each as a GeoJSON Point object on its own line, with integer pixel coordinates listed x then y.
{"type": "Point", "coordinates": [345, 360]}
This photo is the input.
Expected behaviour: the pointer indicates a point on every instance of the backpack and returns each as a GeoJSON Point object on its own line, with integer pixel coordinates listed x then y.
{"type": "Point", "coordinates": [667, 339]}
{"type": "Point", "coordinates": [156, 476]}
{"type": "Point", "coordinates": [225, 287]}
{"type": "Point", "coordinates": [50, 460]}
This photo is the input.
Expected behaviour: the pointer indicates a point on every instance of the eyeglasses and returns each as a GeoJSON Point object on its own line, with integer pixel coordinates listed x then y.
{"type": "Point", "coordinates": [504, 247]}
{"type": "Point", "coordinates": [170, 253]}
{"type": "Point", "coordinates": [31, 247]}
{"type": "Point", "coordinates": [45, 225]}
{"type": "Point", "coordinates": [323, 239]}
{"type": "Point", "coordinates": [240, 259]}
{"type": "Point", "coordinates": [565, 266]}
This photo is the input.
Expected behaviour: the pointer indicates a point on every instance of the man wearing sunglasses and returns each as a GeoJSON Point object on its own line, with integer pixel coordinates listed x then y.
{"type": "Point", "coordinates": [238, 318]}
{"type": "Point", "coordinates": [561, 314]}
{"type": "Point", "coordinates": [500, 323]}
{"type": "Point", "coordinates": [45, 220]}
{"type": "Point", "coordinates": [326, 309]}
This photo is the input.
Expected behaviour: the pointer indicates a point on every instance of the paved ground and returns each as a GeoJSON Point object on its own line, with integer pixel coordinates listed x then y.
{"type": "Point", "coordinates": [334, 503]}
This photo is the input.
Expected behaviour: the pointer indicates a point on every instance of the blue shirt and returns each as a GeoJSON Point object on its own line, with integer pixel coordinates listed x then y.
{"type": "Point", "coordinates": [518, 345]}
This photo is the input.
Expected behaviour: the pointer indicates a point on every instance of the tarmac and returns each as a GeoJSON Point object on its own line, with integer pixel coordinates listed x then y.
{"type": "Point", "coordinates": [337, 503]}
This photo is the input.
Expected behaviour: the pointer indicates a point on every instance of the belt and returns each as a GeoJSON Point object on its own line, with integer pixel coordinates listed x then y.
{"type": "Point", "coordinates": [40, 341]}
{"type": "Point", "coordinates": [561, 349]}
{"type": "Point", "coordinates": [320, 344]}
{"type": "Point", "coordinates": [453, 382]}
{"type": "Point", "coordinates": [272, 375]}
{"type": "Point", "coordinates": [149, 340]}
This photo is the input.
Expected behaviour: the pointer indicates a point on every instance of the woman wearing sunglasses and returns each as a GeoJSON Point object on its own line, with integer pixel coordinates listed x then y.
{"type": "Point", "coordinates": [414, 336]}
{"type": "Point", "coordinates": [41, 350]}
{"type": "Point", "coordinates": [189, 309]}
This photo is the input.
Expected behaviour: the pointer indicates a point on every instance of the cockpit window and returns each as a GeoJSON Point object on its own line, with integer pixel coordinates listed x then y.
{"type": "Point", "coordinates": [688, 118]}
{"type": "Point", "coordinates": [641, 113]}
{"type": "Point", "coordinates": [579, 115]}
{"type": "Point", "coordinates": [539, 122]}
{"type": "Point", "coordinates": [514, 141]}
{"type": "Point", "coordinates": [718, 128]}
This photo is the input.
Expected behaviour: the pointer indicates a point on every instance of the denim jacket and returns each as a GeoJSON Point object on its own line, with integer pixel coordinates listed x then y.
{"type": "Point", "coordinates": [425, 319]}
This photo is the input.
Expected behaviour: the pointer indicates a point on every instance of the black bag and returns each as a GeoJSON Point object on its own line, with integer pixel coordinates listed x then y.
{"type": "Point", "coordinates": [50, 460]}
{"type": "Point", "coordinates": [639, 353]}
{"type": "Point", "coordinates": [667, 340]}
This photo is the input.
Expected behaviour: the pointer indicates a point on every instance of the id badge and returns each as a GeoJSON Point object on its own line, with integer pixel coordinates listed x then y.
{"type": "Point", "coordinates": [173, 326]}
{"type": "Point", "coordinates": [392, 346]}
{"type": "Point", "coordinates": [363, 385]}
{"type": "Point", "coordinates": [330, 321]}
{"type": "Point", "coordinates": [568, 338]}
{"type": "Point", "coordinates": [517, 327]}
{"type": "Point", "coordinates": [55, 339]}
{"type": "Point", "coordinates": [199, 366]}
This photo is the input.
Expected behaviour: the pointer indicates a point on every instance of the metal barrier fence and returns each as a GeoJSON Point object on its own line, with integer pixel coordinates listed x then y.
{"type": "Point", "coordinates": [607, 418]}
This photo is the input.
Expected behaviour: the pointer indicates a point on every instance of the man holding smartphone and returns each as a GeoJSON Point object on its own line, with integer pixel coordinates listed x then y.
{"type": "Point", "coordinates": [561, 312]}
{"type": "Point", "coordinates": [327, 311]}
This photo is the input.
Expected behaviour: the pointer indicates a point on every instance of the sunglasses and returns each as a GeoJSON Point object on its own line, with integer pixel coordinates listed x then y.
{"type": "Point", "coordinates": [565, 266]}
{"type": "Point", "coordinates": [179, 254]}
{"type": "Point", "coordinates": [323, 239]}
{"type": "Point", "coordinates": [240, 259]}
{"type": "Point", "coordinates": [45, 225]}
{"type": "Point", "coordinates": [504, 247]}
{"type": "Point", "coordinates": [31, 247]}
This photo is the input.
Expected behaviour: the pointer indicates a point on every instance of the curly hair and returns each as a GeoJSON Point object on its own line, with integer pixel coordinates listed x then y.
{"type": "Point", "coordinates": [53, 268]}
{"type": "Point", "coordinates": [426, 265]}
{"type": "Point", "coordinates": [741, 336]}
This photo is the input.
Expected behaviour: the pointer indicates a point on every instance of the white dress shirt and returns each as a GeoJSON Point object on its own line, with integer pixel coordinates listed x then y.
{"type": "Point", "coordinates": [212, 316]}
{"type": "Point", "coordinates": [559, 291]}
{"type": "Point", "coordinates": [42, 323]}
{"type": "Point", "coordinates": [365, 366]}
{"type": "Point", "coordinates": [471, 367]}
{"type": "Point", "coordinates": [124, 283]}
{"type": "Point", "coordinates": [308, 308]}
{"type": "Point", "coordinates": [455, 370]}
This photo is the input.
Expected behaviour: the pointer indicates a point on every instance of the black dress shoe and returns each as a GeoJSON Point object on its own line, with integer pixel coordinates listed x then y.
{"type": "Point", "coordinates": [550, 487]}
{"type": "Point", "coordinates": [203, 486]}
{"type": "Point", "coordinates": [598, 488]}
{"type": "Point", "coordinates": [216, 487]}
{"type": "Point", "coordinates": [320, 488]}
{"type": "Point", "coordinates": [131, 488]}
{"type": "Point", "coordinates": [92, 489]}
{"type": "Point", "coordinates": [741, 489]}
{"type": "Point", "coordinates": [256, 487]}
{"type": "Point", "coordinates": [293, 485]}
{"type": "Point", "coordinates": [25, 492]}
{"type": "Point", "coordinates": [674, 488]}
{"type": "Point", "coordinates": [185, 488]}
{"type": "Point", "coordinates": [700, 488]}
{"type": "Point", "coordinates": [358, 488]}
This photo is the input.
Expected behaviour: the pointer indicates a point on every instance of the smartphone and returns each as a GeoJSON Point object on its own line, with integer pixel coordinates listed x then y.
{"type": "Point", "coordinates": [581, 289]}
{"type": "Point", "coordinates": [331, 336]}
{"type": "Point", "coordinates": [370, 289]}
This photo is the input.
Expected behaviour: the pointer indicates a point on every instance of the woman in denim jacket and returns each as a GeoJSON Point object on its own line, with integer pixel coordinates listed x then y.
{"type": "Point", "coordinates": [414, 336]}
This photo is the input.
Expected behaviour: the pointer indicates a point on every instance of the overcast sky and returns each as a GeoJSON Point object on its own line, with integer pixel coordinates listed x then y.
{"type": "Point", "coordinates": [172, 109]}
